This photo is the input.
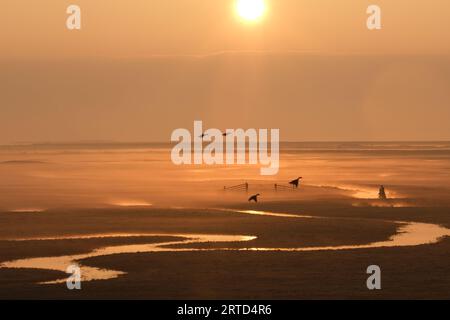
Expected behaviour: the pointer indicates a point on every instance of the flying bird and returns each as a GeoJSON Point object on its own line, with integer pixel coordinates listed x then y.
{"type": "Point", "coordinates": [203, 135]}
{"type": "Point", "coordinates": [296, 182]}
{"type": "Point", "coordinates": [254, 198]}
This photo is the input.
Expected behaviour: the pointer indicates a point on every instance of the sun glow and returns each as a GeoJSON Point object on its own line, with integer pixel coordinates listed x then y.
{"type": "Point", "coordinates": [251, 10]}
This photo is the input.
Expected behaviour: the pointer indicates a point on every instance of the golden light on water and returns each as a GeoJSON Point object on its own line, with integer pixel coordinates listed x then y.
{"type": "Point", "coordinates": [251, 10]}
{"type": "Point", "coordinates": [131, 203]}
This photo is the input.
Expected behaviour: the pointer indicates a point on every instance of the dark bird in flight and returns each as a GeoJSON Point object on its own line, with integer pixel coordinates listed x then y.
{"type": "Point", "coordinates": [254, 198]}
{"type": "Point", "coordinates": [203, 135]}
{"type": "Point", "coordinates": [296, 182]}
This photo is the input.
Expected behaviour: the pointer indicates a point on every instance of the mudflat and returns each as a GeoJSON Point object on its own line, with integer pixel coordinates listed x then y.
{"type": "Point", "coordinates": [230, 270]}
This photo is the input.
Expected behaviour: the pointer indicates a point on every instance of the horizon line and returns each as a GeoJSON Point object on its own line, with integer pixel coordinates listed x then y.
{"type": "Point", "coordinates": [93, 142]}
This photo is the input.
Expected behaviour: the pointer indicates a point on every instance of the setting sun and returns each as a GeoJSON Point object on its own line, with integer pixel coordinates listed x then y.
{"type": "Point", "coordinates": [251, 10]}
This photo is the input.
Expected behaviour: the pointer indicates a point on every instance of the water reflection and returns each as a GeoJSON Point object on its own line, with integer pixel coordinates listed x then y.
{"type": "Point", "coordinates": [27, 210]}
{"type": "Point", "coordinates": [92, 273]}
{"type": "Point", "coordinates": [131, 203]}
{"type": "Point", "coordinates": [273, 214]}
{"type": "Point", "coordinates": [408, 234]}
{"type": "Point", "coordinates": [266, 213]}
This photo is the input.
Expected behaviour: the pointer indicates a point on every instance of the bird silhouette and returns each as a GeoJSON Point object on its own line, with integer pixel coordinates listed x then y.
{"type": "Point", "coordinates": [203, 135]}
{"type": "Point", "coordinates": [296, 182]}
{"type": "Point", "coordinates": [254, 198]}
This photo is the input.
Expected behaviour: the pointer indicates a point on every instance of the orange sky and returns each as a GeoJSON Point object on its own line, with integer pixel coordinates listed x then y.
{"type": "Point", "coordinates": [139, 69]}
{"type": "Point", "coordinates": [147, 27]}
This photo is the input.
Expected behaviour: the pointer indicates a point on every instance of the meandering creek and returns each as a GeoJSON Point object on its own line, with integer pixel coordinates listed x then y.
{"type": "Point", "coordinates": [408, 234]}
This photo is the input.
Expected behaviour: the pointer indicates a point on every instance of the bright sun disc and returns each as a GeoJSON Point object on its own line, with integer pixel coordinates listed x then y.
{"type": "Point", "coordinates": [251, 9]}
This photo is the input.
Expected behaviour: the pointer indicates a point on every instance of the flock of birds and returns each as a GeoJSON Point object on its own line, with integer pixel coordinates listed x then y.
{"type": "Point", "coordinates": [203, 135]}
{"type": "Point", "coordinates": [295, 183]}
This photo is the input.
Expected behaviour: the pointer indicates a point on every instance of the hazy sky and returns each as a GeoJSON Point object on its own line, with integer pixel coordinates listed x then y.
{"type": "Point", "coordinates": [139, 69]}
